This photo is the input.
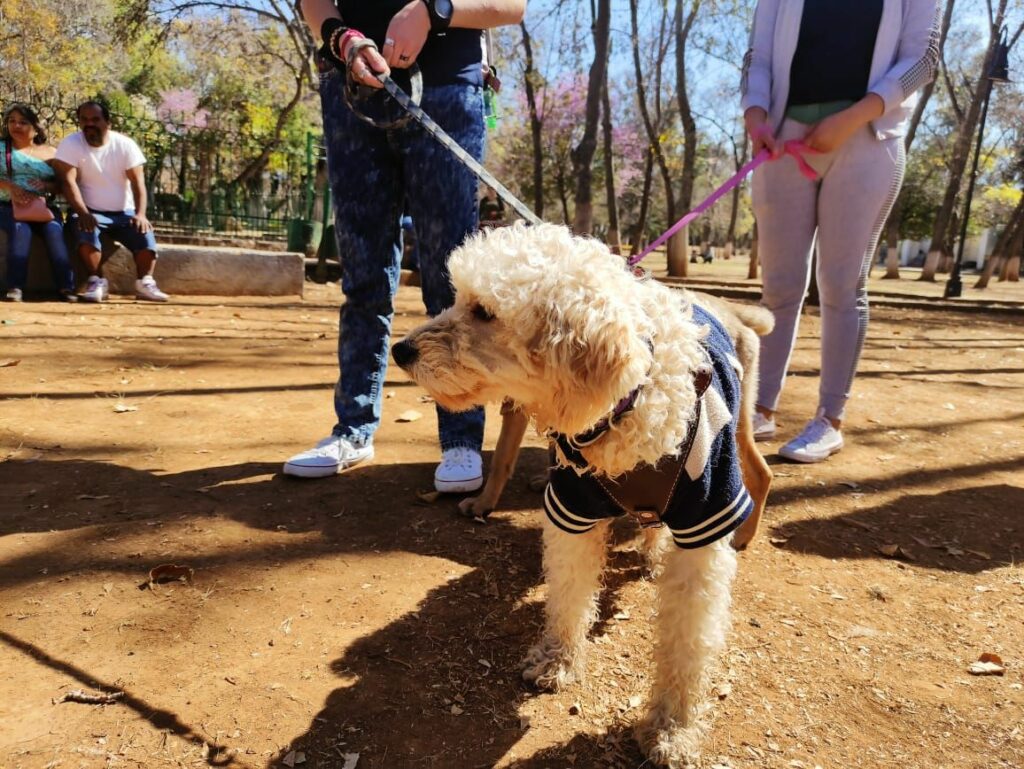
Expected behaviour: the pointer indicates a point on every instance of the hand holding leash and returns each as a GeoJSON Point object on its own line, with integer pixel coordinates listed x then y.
{"type": "Point", "coordinates": [363, 61]}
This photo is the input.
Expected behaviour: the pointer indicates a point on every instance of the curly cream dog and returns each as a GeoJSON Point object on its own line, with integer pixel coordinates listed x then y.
{"type": "Point", "coordinates": [556, 324]}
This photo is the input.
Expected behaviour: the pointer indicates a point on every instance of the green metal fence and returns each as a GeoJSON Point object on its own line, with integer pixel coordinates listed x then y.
{"type": "Point", "coordinates": [206, 177]}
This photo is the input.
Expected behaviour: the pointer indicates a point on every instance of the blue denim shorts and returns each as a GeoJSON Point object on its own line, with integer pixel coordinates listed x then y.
{"type": "Point", "coordinates": [118, 225]}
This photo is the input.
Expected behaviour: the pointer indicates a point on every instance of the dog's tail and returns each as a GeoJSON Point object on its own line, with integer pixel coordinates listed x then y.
{"type": "Point", "coordinates": [760, 319]}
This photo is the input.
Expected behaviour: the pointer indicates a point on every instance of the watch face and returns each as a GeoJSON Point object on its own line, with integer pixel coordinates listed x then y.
{"type": "Point", "coordinates": [443, 8]}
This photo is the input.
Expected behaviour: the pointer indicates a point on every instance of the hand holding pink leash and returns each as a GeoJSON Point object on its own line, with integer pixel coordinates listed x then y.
{"type": "Point", "coordinates": [795, 149]}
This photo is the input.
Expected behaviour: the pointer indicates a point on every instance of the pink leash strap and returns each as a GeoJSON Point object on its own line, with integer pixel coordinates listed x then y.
{"type": "Point", "coordinates": [795, 149]}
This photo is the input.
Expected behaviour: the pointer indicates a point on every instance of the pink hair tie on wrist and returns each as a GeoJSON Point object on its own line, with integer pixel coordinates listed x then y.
{"type": "Point", "coordinates": [350, 34]}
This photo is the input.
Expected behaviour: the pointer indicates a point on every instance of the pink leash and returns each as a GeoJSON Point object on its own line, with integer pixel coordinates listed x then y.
{"type": "Point", "coordinates": [795, 149]}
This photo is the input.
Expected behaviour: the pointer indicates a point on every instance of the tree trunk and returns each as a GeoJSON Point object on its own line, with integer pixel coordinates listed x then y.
{"type": "Point", "coordinates": [651, 126]}
{"type": "Point", "coordinates": [1010, 240]}
{"type": "Point", "coordinates": [641, 225]}
{"type": "Point", "coordinates": [734, 205]}
{"type": "Point", "coordinates": [754, 255]}
{"type": "Point", "coordinates": [892, 240]}
{"type": "Point", "coordinates": [583, 153]}
{"type": "Point", "coordinates": [689, 172]}
{"type": "Point", "coordinates": [943, 225]}
{"type": "Point", "coordinates": [677, 254]}
{"type": "Point", "coordinates": [561, 184]}
{"type": "Point", "coordinates": [614, 238]}
{"type": "Point", "coordinates": [536, 124]}
{"type": "Point", "coordinates": [1011, 269]}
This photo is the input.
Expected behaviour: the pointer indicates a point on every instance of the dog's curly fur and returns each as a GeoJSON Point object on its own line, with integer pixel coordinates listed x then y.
{"type": "Point", "coordinates": [555, 323]}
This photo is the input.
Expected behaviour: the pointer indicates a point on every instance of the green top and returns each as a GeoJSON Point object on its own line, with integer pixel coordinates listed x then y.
{"type": "Point", "coordinates": [26, 169]}
{"type": "Point", "coordinates": [809, 114]}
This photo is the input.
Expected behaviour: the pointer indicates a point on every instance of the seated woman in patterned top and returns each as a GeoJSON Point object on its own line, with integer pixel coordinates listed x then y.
{"type": "Point", "coordinates": [26, 173]}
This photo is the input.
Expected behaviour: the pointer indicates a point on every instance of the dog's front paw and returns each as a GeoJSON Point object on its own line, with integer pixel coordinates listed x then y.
{"type": "Point", "coordinates": [667, 744]}
{"type": "Point", "coordinates": [475, 508]}
{"type": "Point", "coordinates": [549, 666]}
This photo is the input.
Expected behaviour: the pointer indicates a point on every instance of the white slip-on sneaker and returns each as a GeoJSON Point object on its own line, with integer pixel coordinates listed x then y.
{"type": "Point", "coordinates": [460, 471]}
{"type": "Point", "coordinates": [95, 289]}
{"type": "Point", "coordinates": [818, 441]}
{"type": "Point", "coordinates": [331, 455]}
{"type": "Point", "coordinates": [146, 288]}
{"type": "Point", "coordinates": [764, 427]}
{"type": "Point", "coordinates": [14, 295]}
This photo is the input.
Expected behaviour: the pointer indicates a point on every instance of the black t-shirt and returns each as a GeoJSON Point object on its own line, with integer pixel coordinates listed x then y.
{"type": "Point", "coordinates": [833, 55]}
{"type": "Point", "coordinates": [454, 56]}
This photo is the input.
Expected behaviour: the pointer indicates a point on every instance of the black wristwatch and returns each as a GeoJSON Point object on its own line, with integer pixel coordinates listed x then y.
{"type": "Point", "coordinates": [440, 14]}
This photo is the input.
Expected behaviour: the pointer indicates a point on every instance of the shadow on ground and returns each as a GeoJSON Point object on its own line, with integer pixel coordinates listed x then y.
{"type": "Point", "coordinates": [968, 530]}
{"type": "Point", "coordinates": [436, 687]}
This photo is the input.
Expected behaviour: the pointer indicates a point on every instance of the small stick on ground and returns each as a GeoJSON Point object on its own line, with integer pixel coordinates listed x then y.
{"type": "Point", "coordinates": [89, 698]}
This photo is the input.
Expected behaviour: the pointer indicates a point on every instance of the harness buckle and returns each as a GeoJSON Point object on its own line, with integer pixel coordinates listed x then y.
{"type": "Point", "coordinates": [648, 518]}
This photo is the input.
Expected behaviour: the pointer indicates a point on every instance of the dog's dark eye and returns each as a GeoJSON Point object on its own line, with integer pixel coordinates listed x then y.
{"type": "Point", "coordinates": [482, 313]}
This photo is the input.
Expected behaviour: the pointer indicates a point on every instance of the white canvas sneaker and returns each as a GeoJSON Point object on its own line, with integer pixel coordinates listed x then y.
{"type": "Point", "coordinates": [460, 471]}
{"type": "Point", "coordinates": [331, 455]}
{"type": "Point", "coordinates": [14, 295]}
{"type": "Point", "coordinates": [818, 441]}
{"type": "Point", "coordinates": [95, 290]}
{"type": "Point", "coordinates": [764, 427]}
{"type": "Point", "coordinates": [146, 288]}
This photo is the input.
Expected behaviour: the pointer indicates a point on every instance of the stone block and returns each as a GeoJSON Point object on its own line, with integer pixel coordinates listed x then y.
{"type": "Point", "coordinates": [183, 270]}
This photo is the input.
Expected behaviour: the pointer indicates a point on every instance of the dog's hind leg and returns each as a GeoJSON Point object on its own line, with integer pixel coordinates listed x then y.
{"type": "Point", "coordinates": [572, 567]}
{"type": "Point", "coordinates": [757, 477]}
{"type": "Point", "coordinates": [693, 621]}
{"type": "Point", "coordinates": [514, 422]}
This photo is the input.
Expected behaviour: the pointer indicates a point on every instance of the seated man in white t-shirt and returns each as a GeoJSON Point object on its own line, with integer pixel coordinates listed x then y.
{"type": "Point", "coordinates": [101, 171]}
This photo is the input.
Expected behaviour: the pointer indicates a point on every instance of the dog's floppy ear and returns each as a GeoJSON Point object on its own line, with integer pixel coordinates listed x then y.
{"type": "Point", "coordinates": [597, 355]}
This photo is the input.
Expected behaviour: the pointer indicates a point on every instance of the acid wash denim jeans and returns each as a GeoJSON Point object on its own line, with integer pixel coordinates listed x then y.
{"type": "Point", "coordinates": [19, 244]}
{"type": "Point", "coordinates": [374, 173]}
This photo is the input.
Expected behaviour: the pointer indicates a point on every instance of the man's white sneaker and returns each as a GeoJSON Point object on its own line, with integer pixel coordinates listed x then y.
{"type": "Point", "coordinates": [460, 471]}
{"type": "Point", "coordinates": [818, 441]}
{"type": "Point", "coordinates": [764, 427]}
{"type": "Point", "coordinates": [331, 455]}
{"type": "Point", "coordinates": [14, 295]}
{"type": "Point", "coordinates": [95, 289]}
{"type": "Point", "coordinates": [146, 288]}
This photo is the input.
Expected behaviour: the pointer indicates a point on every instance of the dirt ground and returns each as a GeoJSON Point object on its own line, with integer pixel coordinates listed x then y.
{"type": "Point", "coordinates": [345, 623]}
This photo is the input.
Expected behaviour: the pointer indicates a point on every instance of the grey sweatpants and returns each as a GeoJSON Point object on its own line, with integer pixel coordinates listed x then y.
{"type": "Point", "coordinates": [847, 208]}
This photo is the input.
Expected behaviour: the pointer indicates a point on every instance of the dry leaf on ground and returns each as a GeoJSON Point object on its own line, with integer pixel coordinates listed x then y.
{"type": "Point", "coordinates": [168, 572]}
{"type": "Point", "coordinates": [411, 415]}
{"type": "Point", "coordinates": [988, 664]}
{"type": "Point", "coordinates": [895, 551]}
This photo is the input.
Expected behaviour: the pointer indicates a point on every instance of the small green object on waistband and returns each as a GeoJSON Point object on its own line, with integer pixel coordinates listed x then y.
{"type": "Point", "coordinates": [809, 114]}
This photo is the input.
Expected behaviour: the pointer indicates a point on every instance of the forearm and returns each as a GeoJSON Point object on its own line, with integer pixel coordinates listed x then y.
{"type": "Point", "coordinates": [316, 11]}
{"type": "Point", "coordinates": [139, 193]}
{"type": "Point", "coordinates": [871, 107]}
{"type": "Point", "coordinates": [74, 197]}
{"type": "Point", "coordinates": [484, 14]}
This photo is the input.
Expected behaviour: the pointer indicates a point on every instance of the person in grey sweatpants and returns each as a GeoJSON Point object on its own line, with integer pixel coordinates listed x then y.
{"type": "Point", "coordinates": [842, 78]}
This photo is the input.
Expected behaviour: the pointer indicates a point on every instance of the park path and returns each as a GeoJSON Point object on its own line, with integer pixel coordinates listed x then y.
{"type": "Point", "coordinates": [348, 616]}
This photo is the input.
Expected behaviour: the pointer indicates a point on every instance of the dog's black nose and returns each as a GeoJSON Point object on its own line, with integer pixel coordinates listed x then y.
{"type": "Point", "coordinates": [404, 353]}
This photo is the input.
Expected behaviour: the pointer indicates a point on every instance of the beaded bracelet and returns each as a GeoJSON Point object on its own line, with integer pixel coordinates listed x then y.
{"type": "Point", "coordinates": [331, 32]}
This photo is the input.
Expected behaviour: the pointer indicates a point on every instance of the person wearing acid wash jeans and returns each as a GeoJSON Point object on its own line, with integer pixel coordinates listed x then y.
{"type": "Point", "coordinates": [842, 77]}
{"type": "Point", "coordinates": [375, 169]}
